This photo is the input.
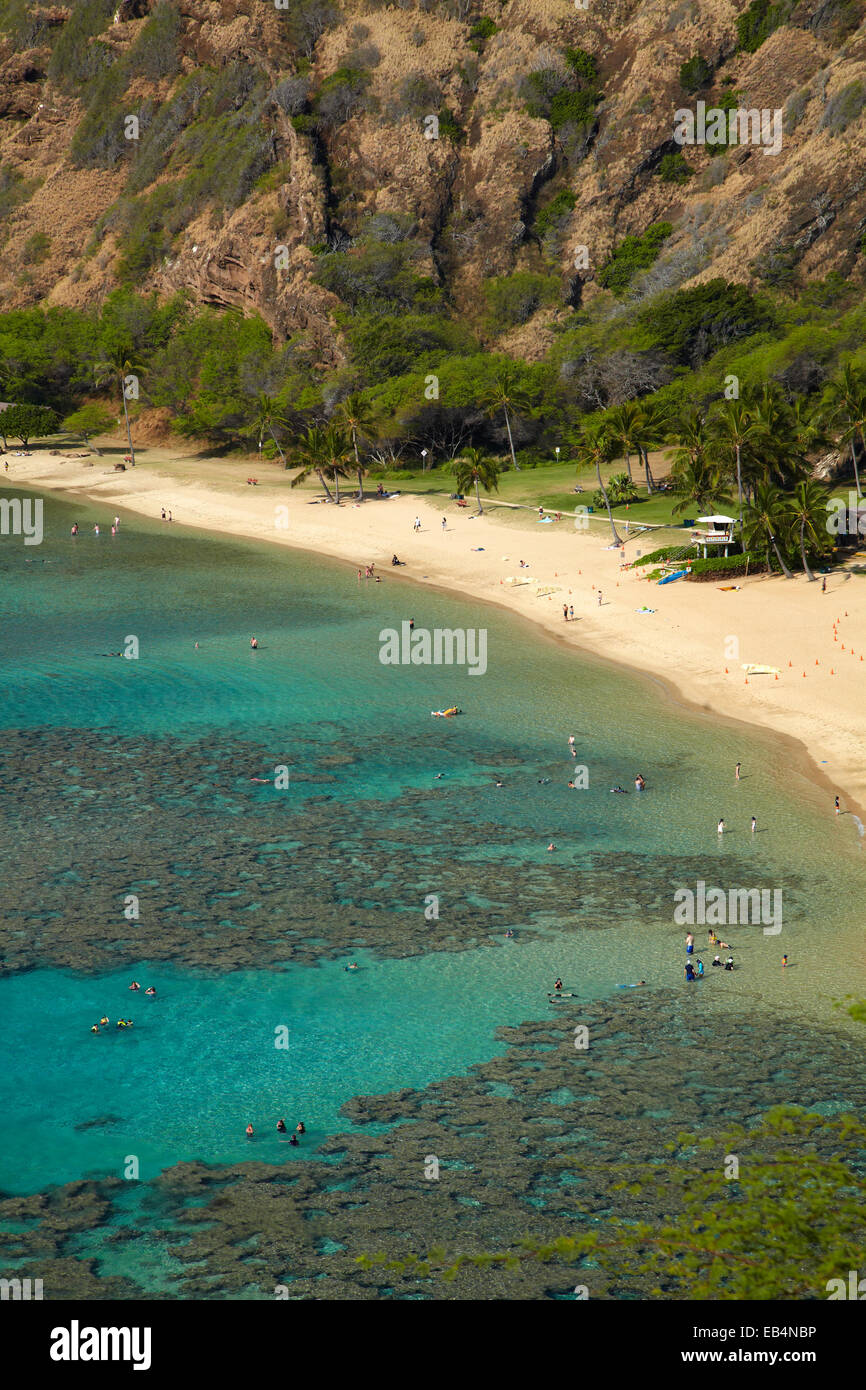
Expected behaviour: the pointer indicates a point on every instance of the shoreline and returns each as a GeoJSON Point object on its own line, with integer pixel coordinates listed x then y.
{"type": "Point", "coordinates": [681, 646]}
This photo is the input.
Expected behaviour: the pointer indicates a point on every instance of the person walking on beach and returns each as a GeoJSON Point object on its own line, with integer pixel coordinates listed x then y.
{"type": "Point", "coordinates": [444, 523]}
{"type": "Point", "coordinates": [571, 611]}
{"type": "Point", "coordinates": [163, 514]}
{"type": "Point", "coordinates": [417, 525]}
{"type": "Point", "coordinates": [837, 807]}
{"type": "Point", "coordinates": [599, 598]}
{"type": "Point", "coordinates": [824, 585]}
{"type": "Point", "coordinates": [565, 611]}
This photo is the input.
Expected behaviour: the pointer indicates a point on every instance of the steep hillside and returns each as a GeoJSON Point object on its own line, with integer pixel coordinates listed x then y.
{"type": "Point", "coordinates": [284, 163]}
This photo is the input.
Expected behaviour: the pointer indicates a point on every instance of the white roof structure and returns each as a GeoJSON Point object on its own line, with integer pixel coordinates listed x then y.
{"type": "Point", "coordinates": [728, 520]}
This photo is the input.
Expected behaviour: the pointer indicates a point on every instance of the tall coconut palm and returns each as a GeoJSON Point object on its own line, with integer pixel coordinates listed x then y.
{"type": "Point", "coordinates": [312, 453]}
{"type": "Point", "coordinates": [507, 396]}
{"type": "Point", "coordinates": [265, 416]}
{"type": "Point", "coordinates": [337, 452]}
{"type": "Point", "coordinates": [474, 467]}
{"type": "Point", "coordinates": [766, 520]}
{"type": "Point", "coordinates": [697, 483]}
{"type": "Point", "coordinates": [847, 400]}
{"type": "Point", "coordinates": [651, 429]}
{"type": "Point", "coordinates": [624, 422]}
{"type": "Point", "coordinates": [359, 418]}
{"type": "Point", "coordinates": [593, 446]}
{"type": "Point", "coordinates": [119, 364]}
{"type": "Point", "coordinates": [733, 428]}
{"type": "Point", "coordinates": [808, 430]}
{"type": "Point", "coordinates": [807, 514]}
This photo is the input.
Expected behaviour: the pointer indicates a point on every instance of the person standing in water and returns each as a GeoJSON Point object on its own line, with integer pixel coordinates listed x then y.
{"type": "Point", "coordinates": [721, 827]}
{"type": "Point", "coordinates": [754, 824]}
{"type": "Point", "coordinates": [254, 643]}
{"type": "Point", "coordinates": [737, 772]}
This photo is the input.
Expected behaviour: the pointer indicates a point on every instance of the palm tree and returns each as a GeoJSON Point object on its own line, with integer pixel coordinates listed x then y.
{"type": "Point", "coordinates": [767, 518]}
{"type": "Point", "coordinates": [697, 483]}
{"type": "Point", "coordinates": [847, 398]}
{"type": "Point", "coordinates": [595, 445]}
{"type": "Point", "coordinates": [312, 450]}
{"type": "Point", "coordinates": [733, 427]}
{"type": "Point", "coordinates": [265, 417]}
{"type": "Point", "coordinates": [474, 466]}
{"type": "Point", "coordinates": [807, 514]}
{"type": "Point", "coordinates": [119, 364]}
{"type": "Point", "coordinates": [624, 423]}
{"type": "Point", "coordinates": [337, 452]}
{"type": "Point", "coordinates": [358, 417]}
{"type": "Point", "coordinates": [808, 430]}
{"type": "Point", "coordinates": [506, 394]}
{"type": "Point", "coordinates": [651, 429]}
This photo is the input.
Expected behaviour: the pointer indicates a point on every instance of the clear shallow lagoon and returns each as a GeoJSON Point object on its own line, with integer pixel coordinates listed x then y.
{"type": "Point", "coordinates": [156, 799]}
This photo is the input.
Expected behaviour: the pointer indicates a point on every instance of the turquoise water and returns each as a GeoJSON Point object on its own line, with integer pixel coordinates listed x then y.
{"type": "Point", "coordinates": [133, 776]}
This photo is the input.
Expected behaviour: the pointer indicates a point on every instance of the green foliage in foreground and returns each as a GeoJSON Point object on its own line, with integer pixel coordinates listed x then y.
{"type": "Point", "coordinates": [788, 1223]}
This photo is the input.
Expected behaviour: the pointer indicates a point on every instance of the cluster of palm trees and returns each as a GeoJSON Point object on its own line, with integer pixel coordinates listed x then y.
{"type": "Point", "coordinates": [330, 449]}
{"type": "Point", "coordinates": [757, 441]}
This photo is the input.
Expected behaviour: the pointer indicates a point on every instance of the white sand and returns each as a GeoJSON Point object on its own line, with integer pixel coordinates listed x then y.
{"type": "Point", "coordinates": [696, 640]}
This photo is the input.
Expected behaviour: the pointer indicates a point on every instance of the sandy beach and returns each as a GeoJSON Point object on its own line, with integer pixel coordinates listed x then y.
{"type": "Point", "coordinates": [697, 639]}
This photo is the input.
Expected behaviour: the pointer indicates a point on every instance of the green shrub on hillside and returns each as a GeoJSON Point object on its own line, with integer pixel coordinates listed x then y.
{"type": "Point", "coordinates": [695, 74]}
{"type": "Point", "coordinates": [552, 218]}
{"type": "Point", "coordinates": [75, 58]}
{"type": "Point", "coordinates": [759, 21]}
{"type": "Point", "coordinates": [844, 108]}
{"type": "Point", "coordinates": [692, 324]}
{"type": "Point", "coordinates": [674, 168]}
{"type": "Point", "coordinates": [513, 299]}
{"type": "Point", "coordinates": [633, 254]}
{"type": "Point", "coordinates": [379, 276]}
{"type": "Point", "coordinates": [566, 99]}
{"type": "Point", "coordinates": [156, 51]}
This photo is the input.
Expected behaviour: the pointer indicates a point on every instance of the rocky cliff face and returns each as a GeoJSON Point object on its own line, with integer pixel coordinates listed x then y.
{"type": "Point", "coordinates": [340, 103]}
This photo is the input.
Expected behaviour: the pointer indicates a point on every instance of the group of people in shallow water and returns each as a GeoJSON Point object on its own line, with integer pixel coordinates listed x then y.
{"type": "Point", "coordinates": [122, 1022]}
{"type": "Point", "coordinates": [300, 1128]}
{"type": "Point", "coordinates": [695, 967]}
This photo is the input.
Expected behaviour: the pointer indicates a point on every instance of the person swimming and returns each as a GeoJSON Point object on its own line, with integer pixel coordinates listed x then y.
{"type": "Point", "coordinates": [150, 990]}
{"type": "Point", "coordinates": [551, 847]}
{"type": "Point", "coordinates": [135, 985]}
{"type": "Point", "coordinates": [729, 963]}
{"type": "Point", "coordinates": [104, 1021]}
{"type": "Point", "coordinates": [622, 791]}
{"type": "Point", "coordinates": [95, 1028]}
{"type": "Point", "coordinates": [352, 965]}
{"type": "Point", "coordinates": [281, 1126]}
{"type": "Point", "coordinates": [558, 985]}
{"type": "Point", "coordinates": [250, 1131]}
{"type": "Point", "coordinates": [509, 933]}
{"type": "Point", "coordinates": [300, 1127]}
{"type": "Point", "coordinates": [293, 1140]}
